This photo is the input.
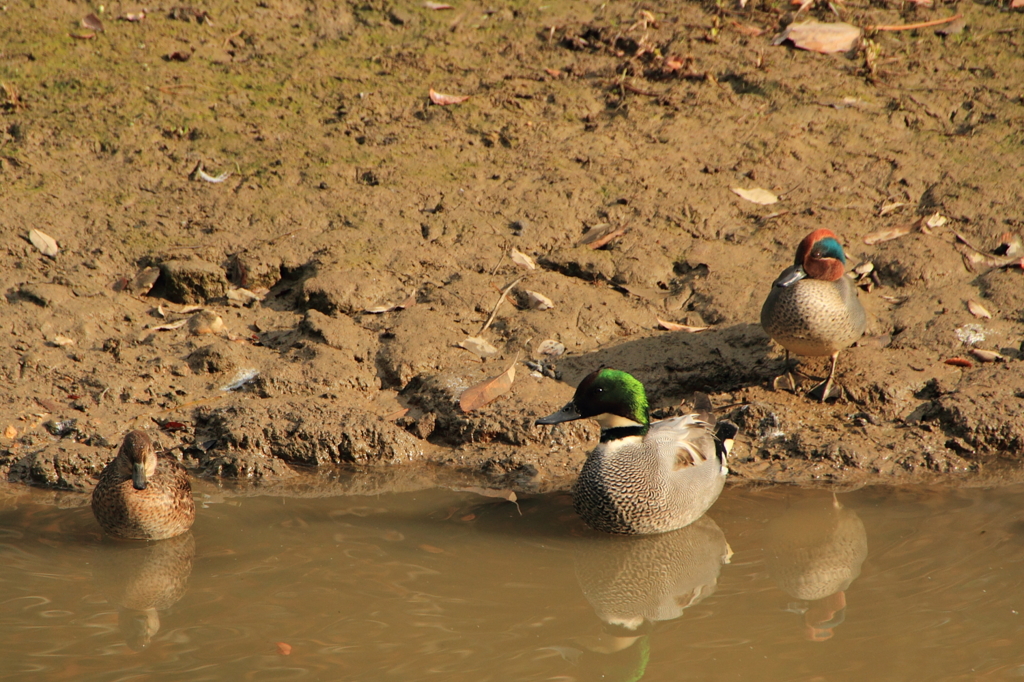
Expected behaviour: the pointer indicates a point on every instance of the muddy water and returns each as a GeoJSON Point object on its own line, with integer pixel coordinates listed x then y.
{"type": "Point", "coordinates": [775, 584]}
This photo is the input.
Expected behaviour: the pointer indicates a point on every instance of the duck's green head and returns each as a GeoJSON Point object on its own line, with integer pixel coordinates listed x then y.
{"type": "Point", "coordinates": [614, 399]}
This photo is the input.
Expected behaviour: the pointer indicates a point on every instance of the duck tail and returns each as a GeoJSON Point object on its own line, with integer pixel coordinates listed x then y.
{"type": "Point", "coordinates": [725, 437]}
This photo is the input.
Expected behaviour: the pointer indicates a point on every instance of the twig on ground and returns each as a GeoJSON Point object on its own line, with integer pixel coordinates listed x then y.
{"type": "Point", "coordinates": [911, 27]}
{"type": "Point", "coordinates": [494, 311]}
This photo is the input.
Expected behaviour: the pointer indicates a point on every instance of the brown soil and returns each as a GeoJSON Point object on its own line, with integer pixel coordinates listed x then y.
{"type": "Point", "coordinates": [349, 190]}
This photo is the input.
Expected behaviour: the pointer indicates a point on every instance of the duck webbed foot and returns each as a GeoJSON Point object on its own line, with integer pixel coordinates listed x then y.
{"type": "Point", "coordinates": [786, 382]}
{"type": "Point", "coordinates": [827, 389]}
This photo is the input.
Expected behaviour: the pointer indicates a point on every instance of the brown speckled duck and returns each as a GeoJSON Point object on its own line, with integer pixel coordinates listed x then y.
{"type": "Point", "coordinates": [814, 552]}
{"type": "Point", "coordinates": [142, 579]}
{"type": "Point", "coordinates": [641, 478]}
{"type": "Point", "coordinates": [813, 308]}
{"type": "Point", "coordinates": [141, 496]}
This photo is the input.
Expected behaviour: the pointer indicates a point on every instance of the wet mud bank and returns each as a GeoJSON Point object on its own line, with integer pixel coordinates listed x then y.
{"type": "Point", "coordinates": [311, 308]}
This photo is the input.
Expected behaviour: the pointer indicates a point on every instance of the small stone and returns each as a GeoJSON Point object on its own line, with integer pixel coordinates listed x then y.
{"type": "Point", "coordinates": [205, 322]}
{"type": "Point", "coordinates": [192, 281]}
{"type": "Point", "coordinates": [61, 428]}
{"type": "Point", "coordinates": [220, 356]}
{"type": "Point", "coordinates": [425, 426]}
{"type": "Point", "coordinates": [242, 297]}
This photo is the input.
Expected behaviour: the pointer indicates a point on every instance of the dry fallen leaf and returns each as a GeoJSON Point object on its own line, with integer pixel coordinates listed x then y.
{"type": "Point", "coordinates": [144, 280]}
{"type": "Point", "coordinates": [91, 21]}
{"type": "Point", "coordinates": [409, 301]}
{"type": "Point", "coordinates": [973, 257]}
{"type": "Point", "coordinates": [10, 432]}
{"type": "Point", "coordinates": [987, 355]}
{"type": "Point", "coordinates": [936, 220]}
{"type": "Point", "coordinates": [46, 244]}
{"type": "Point", "coordinates": [284, 648]}
{"type": "Point", "coordinates": [441, 99]}
{"type": "Point", "coordinates": [431, 549]}
{"type": "Point", "coordinates": [820, 37]}
{"type": "Point", "coordinates": [203, 175]}
{"type": "Point", "coordinates": [509, 495]}
{"type": "Point", "coordinates": [600, 234]}
{"type": "Point", "coordinates": [241, 297]}
{"type": "Point", "coordinates": [538, 301]}
{"type": "Point", "coordinates": [169, 327]}
{"type": "Point", "coordinates": [1010, 244]}
{"type": "Point", "coordinates": [672, 64]}
{"type": "Point", "coordinates": [475, 397]}
{"type": "Point", "coordinates": [887, 235]}
{"type": "Point", "coordinates": [676, 327]}
{"type": "Point", "coordinates": [756, 195]}
{"type": "Point", "coordinates": [978, 310]}
{"type": "Point", "coordinates": [522, 260]}
{"type": "Point", "coordinates": [479, 346]}
{"type": "Point", "coordinates": [890, 208]}
{"type": "Point", "coordinates": [554, 73]}
{"type": "Point", "coordinates": [744, 29]}
{"type": "Point", "coordinates": [865, 268]}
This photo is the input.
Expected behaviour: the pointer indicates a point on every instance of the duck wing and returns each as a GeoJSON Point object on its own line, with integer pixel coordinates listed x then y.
{"type": "Point", "coordinates": [684, 441]}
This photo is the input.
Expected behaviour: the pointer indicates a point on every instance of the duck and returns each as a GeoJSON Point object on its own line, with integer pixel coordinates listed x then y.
{"type": "Point", "coordinates": [141, 496]}
{"type": "Point", "coordinates": [631, 580]}
{"type": "Point", "coordinates": [143, 579]}
{"type": "Point", "coordinates": [812, 308]}
{"type": "Point", "coordinates": [813, 552]}
{"type": "Point", "coordinates": [643, 478]}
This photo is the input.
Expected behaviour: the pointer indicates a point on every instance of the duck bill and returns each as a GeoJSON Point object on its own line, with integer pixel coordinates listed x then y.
{"type": "Point", "coordinates": [139, 475]}
{"type": "Point", "coordinates": [788, 279]}
{"type": "Point", "coordinates": [566, 414]}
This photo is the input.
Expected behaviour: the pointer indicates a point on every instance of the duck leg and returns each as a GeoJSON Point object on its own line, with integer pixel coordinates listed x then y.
{"type": "Point", "coordinates": [827, 386]}
{"type": "Point", "coordinates": [785, 382]}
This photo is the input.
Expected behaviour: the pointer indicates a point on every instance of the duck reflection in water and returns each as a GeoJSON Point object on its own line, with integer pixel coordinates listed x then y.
{"type": "Point", "coordinates": [814, 552]}
{"type": "Point", "coordinates": [142, 580]}
{"type": "Point", "coordinates": [634, 582]}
